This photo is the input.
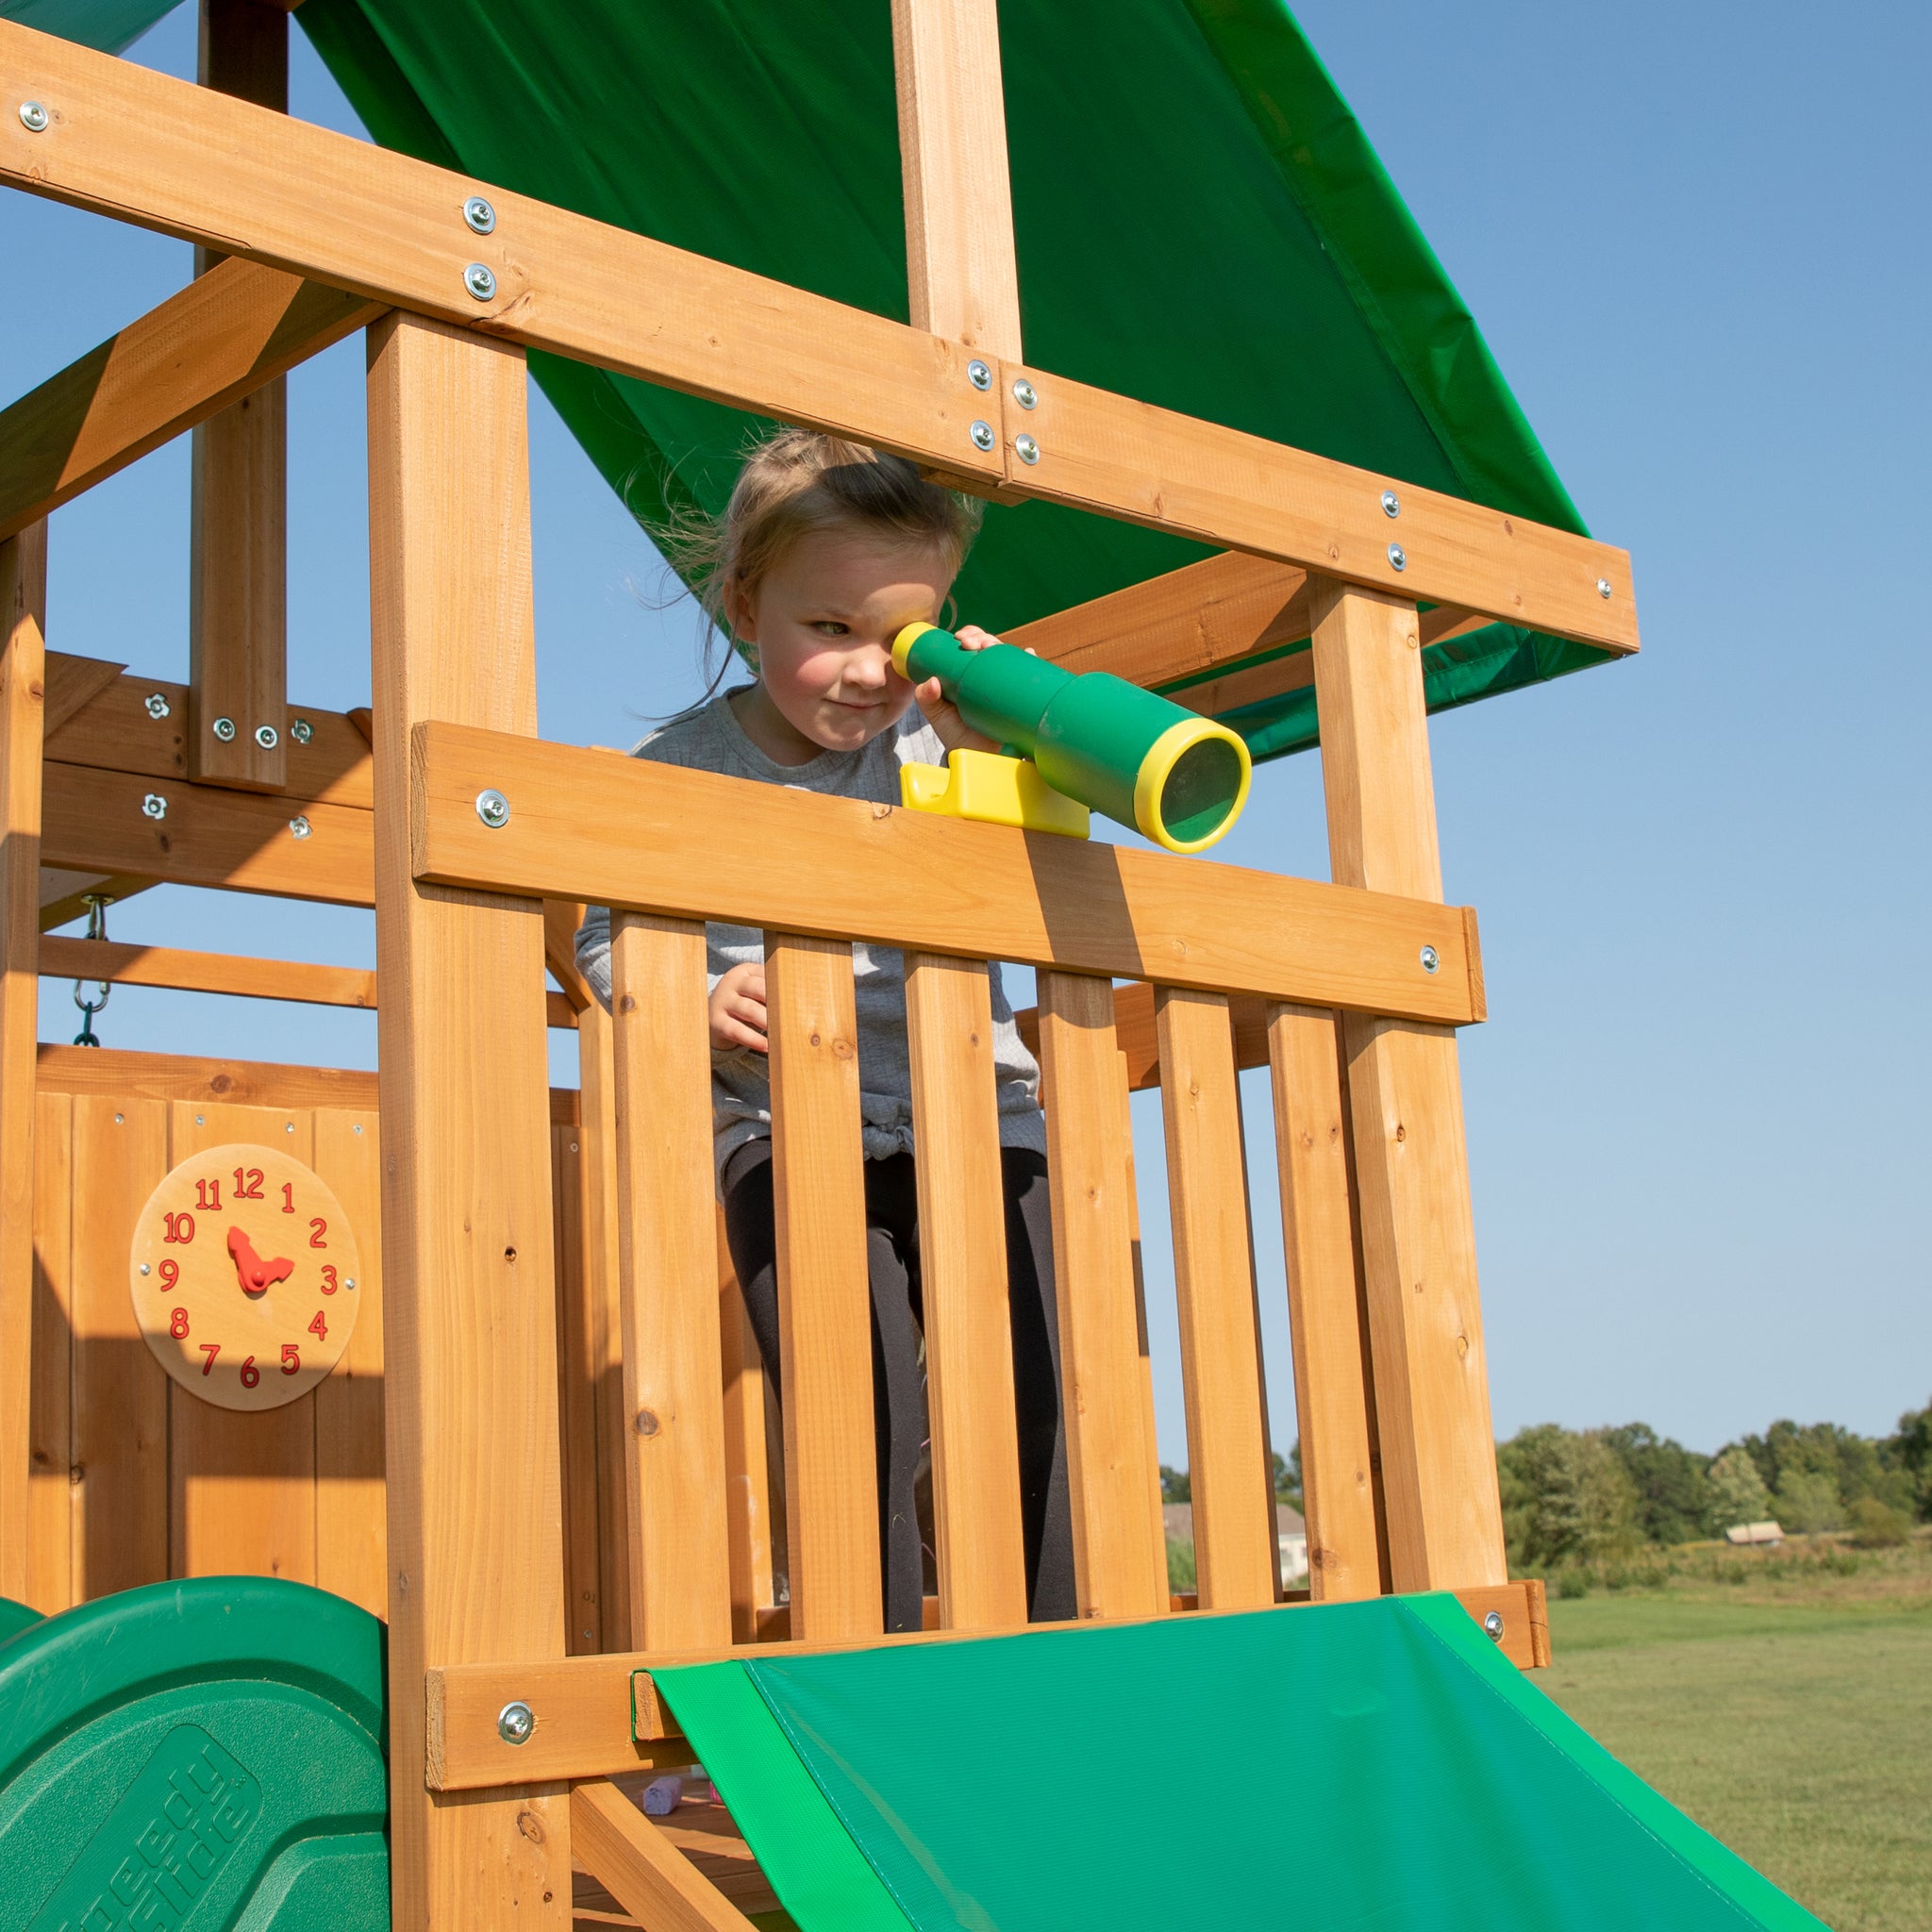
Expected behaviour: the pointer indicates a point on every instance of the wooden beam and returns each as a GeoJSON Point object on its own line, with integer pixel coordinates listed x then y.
{"type": "Point", "coordinates": [221, 339]}
{"type": "Point", "coordinates": [627, 833]}
{"type": "Point", "coordinates": [23, 691]}
{"type": "Point", "coordinates": [1432, 1395]}
{"type": "Point", "coordinates": [476, 1534]}
{"type": "Point", "coordinates": [144, 148]}
{"type": "Point", "coordinates": [959, 266]}
{"type": "Point", "coordinates": [641, 1870]}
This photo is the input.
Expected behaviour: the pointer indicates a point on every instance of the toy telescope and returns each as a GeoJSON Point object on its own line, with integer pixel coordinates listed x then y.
{"type": "Point", "coordinates": [1179, 778]}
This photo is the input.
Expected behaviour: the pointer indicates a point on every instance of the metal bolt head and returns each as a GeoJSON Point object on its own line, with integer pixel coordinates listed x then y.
{"type": "Point", "coordinates": [1493, 1624]}
{"type": "Point", "coordinates": [144, 1268]}
{"type": "Point", "coordinates": [480, 215]}
{"type": "Point", "coordinates": [301, 730]}
{"type": "Point", "coordinates": [982, 436]}
{"type": "Point", "coordinates": [1398, 557]}
{"type": "Point", "coordinates": [1392, 504]}
{"type": "Point", "coordinates": [1431, 959]}
{"type": "Point", "coordinates": [267, 737]}
{"type": "Point", "coordinates": [480, 279]}
{"type": "Point", "coordinates": [515, 1723]}
{"type": "Point", "coordinates": [493, 807]}
{"type": "Point", "coordinates": [154, 705]}
{"type": "Point", "coordinates": [1028, 450]}
{"type": "Point", "coordinates": [978, 375]}
{"type": "Point", "coordinates": [300, 826]}
{"type": "Point", "coordinates": [1602, 588]}
{"type": "Point", "coordinates": [1025, 393]}
{"type": "Point", "coordinates": [223, 728]}
{"type": "Point", "coordinates": [349, 1280]}
{"type": "Point", "coordinates": [155, 805]}
{"type": "Point", "coordinates": [34, 117]}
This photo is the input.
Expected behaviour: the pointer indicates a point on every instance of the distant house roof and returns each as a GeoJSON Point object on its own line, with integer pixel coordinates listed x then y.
{"type": "Point", "coordinates": [1178, 1520]}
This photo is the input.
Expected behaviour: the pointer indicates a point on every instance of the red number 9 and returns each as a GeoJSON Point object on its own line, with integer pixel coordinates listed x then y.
{"type": "Point", "coordinates": [171, 1274]}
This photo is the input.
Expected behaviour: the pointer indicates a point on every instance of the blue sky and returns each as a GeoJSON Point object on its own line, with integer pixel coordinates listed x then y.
{"type": "Point", "coordinates": [1691, 237]}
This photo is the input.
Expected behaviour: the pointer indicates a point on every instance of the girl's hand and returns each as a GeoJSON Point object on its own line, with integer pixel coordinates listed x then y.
{"type": "Point", "coordinates": [738, 1010]}
{"type": "Point", "coordinates": [944, 717]}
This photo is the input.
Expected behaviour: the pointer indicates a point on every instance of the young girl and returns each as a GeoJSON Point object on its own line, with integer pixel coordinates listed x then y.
{"type": "Point", "coordinates": [825, 551]}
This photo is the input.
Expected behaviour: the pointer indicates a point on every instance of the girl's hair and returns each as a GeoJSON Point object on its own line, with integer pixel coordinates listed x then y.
{"type": "Point", "coordinates": [798, 483]}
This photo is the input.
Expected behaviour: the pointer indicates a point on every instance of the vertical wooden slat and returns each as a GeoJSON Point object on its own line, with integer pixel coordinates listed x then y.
{"type": "Point", "coordinates": [969, 1340]}
{"type": "Point", "coordinates": [23, 696]}
{"type": "Point", "coordinates": [1330, 1386]}
{"type": "Point", "coordinates": [241, 1483]}
{"type": "Point", "coordinates": [1438, 1451]}
{"type": "Point", "coordinates": [953, 159]}
{"type": "Point", "coordinates": [680, 1567]}
{"type": "Point", "coordinates": [1156, 1515]}
{"type": "Point", "coordinates": [1214, 1283]}
{"type": "Point", "coordinates": [1108, 1453]}
{"type": "Point", "coordinates": [237, 597]}
{"type": "Point", "coordinates": [576, 1399]}
{"type": "Point", "coordinates": [351, 1528]}
{"type": "Point", "coordinates": [120, 1389]}
{"type": "Point", "coordinates": [50, 1501]}
{"type": "Point", "coordinates": [824, 1331]}
{"type": "Point", "coordinates": [748, 1488]}
{"type": "Point", "coordinates": [475, 1536]}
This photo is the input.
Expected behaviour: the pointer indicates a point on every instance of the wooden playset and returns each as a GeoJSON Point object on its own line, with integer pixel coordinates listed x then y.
{"type": "Point", "coordinates": [460, 1349]}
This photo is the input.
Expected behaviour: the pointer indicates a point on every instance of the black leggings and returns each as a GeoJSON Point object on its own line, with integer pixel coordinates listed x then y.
{"type": "Point", "coordinates": [898, 1373]}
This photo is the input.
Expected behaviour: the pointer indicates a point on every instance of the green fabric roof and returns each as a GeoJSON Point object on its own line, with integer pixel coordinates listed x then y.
{"type": "Point", "coordinates": [1199, 219]}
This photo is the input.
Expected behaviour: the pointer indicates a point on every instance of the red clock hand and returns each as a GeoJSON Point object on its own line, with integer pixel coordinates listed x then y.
{"type": "Point", "coordinates": [255, 1275]}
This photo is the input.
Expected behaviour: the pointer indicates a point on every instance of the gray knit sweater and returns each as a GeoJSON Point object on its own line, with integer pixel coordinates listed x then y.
{"type": "Point", "coordinates": [710, 738]}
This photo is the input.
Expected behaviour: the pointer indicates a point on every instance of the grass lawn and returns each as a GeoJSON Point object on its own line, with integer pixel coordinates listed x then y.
{"type": "Point", "coordinates": [1787, 1706]}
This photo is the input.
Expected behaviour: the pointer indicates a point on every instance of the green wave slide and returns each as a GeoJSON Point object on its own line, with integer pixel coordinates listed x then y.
{"type": "Point", "coordinates": [208, 1757]}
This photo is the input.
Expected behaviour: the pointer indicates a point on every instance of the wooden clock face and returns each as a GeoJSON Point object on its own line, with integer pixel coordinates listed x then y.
{"type": "Point", "coordinates": [245, 1275]}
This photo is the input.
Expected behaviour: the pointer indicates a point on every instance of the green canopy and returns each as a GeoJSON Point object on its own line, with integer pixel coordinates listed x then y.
{"type": "Point", "coordinates": [1199, 219]}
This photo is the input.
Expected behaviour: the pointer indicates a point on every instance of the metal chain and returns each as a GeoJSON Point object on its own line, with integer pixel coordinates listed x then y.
{"type": "Point", "coordinates": [97, 903]}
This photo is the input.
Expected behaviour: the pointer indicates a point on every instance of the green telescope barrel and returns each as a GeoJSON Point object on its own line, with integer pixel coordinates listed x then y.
{"type": "Point", "coordinates": [1179, 778]}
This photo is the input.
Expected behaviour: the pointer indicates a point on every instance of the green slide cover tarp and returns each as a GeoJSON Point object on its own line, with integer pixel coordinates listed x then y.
{"type": "Point", "coordinates": [1200, 222]}
{"type": "Point", "coordinates": [1375, 1765]}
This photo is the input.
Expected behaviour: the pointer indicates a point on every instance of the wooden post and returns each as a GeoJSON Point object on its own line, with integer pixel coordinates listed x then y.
{"type": "Point", "coordinates": [23, 694]}
{"type": "Point", "coordinates": [475, 1532]}
{"type": "Point", "coordinates": [959, 264]}
{"type": "Point", "coordinates": [1432, 1391]}
{"type": "Point", "coordinates": [237, 648]}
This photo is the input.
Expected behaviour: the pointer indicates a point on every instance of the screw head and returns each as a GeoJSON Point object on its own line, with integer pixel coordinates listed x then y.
{"type": "Point", "coordinates": [144, 1268]}
{"type": "Point", "coordinates": [515, 1723]}
{"type": "Point", "coordinates": [1602, 588]}
{"type": "Point", "coordinates": [1392, 504]}
{"type": "Point", "coordinates": [982, 436]}
{"type": "Point", "coordinates": [154, 705]}
{"type": "Point", "coordinates": [480, 280]}
{"type": "Point", "coordinates": [978, 375]}
{"type": "Point", "coordinates": [479, 214]}
{"type": "Point", "coordinates": [300, 826]}
{"type": "Point", "coordinates": [493, 807]}
{"type": "Point", "coordinates": [1493, 1624]}
{"type": "Point", "coordinates": [1025, 393]}
{"type": "Point", "coordinates": [1431, 959]}
{"type": "Point", "coordinates": [34, 117]}
{"type": "Point", "coordinates": [154, 806]}
{"type": "Point", "coordinates": [223, 728]}
{"type": "Point", "coordinates": [267, 737]}
{"type": "Point", "coordinates": [1028, 450]}
{"type": "Point", "coordinates": [1398, 557]}
{"type": "Point", "coordinates": [301, 730]}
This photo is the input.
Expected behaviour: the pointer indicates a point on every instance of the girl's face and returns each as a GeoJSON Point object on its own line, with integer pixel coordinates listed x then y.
{"type": "Point", "coordinates": [822, 621]}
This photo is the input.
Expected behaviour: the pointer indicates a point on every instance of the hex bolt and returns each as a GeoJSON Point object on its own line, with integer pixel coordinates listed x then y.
{"type": "Point", "coordinates": [1493, 1624]}
{"type": "Point", "coordinates": [223, 728]}
{"type": "Point", "coordinates": [1431, 959]}
{"type": "Point", "coordinates": [154, 806]}
{"type": "Point", "coordinates": [156, 705]}
{"type": "Point", "coordinates": [981, 433]}
{"type": "Point", "coordinates": [1398, 557]}
{"type": "Point", "coordinates": [1602, 588]}
{"type": "Point", "coordinates": [1392, 504]}
{"type": "Point", "coordinates": [480, 280]}
{"type": "Point", "coordinates": [1026, 394]}
{"type": "Point", "coordinates": [480, 215]}
{"type": "Point", "coordinates": [301, 730]}
{"type": "Point", "coordinates": [515, 1723]}
{"type": "Point", "coordinates": [267, 737]}
{"type": "Point", "coordinates": [493, 807]}
{"type": "Point", "coordinates": [978, 375]}
{"type": "Point", "coordinates": [34, 117]}
{"type": "Point", "coordinates": [300, 826]}
{"type": "Point", "coordinates": [1028, 450]}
